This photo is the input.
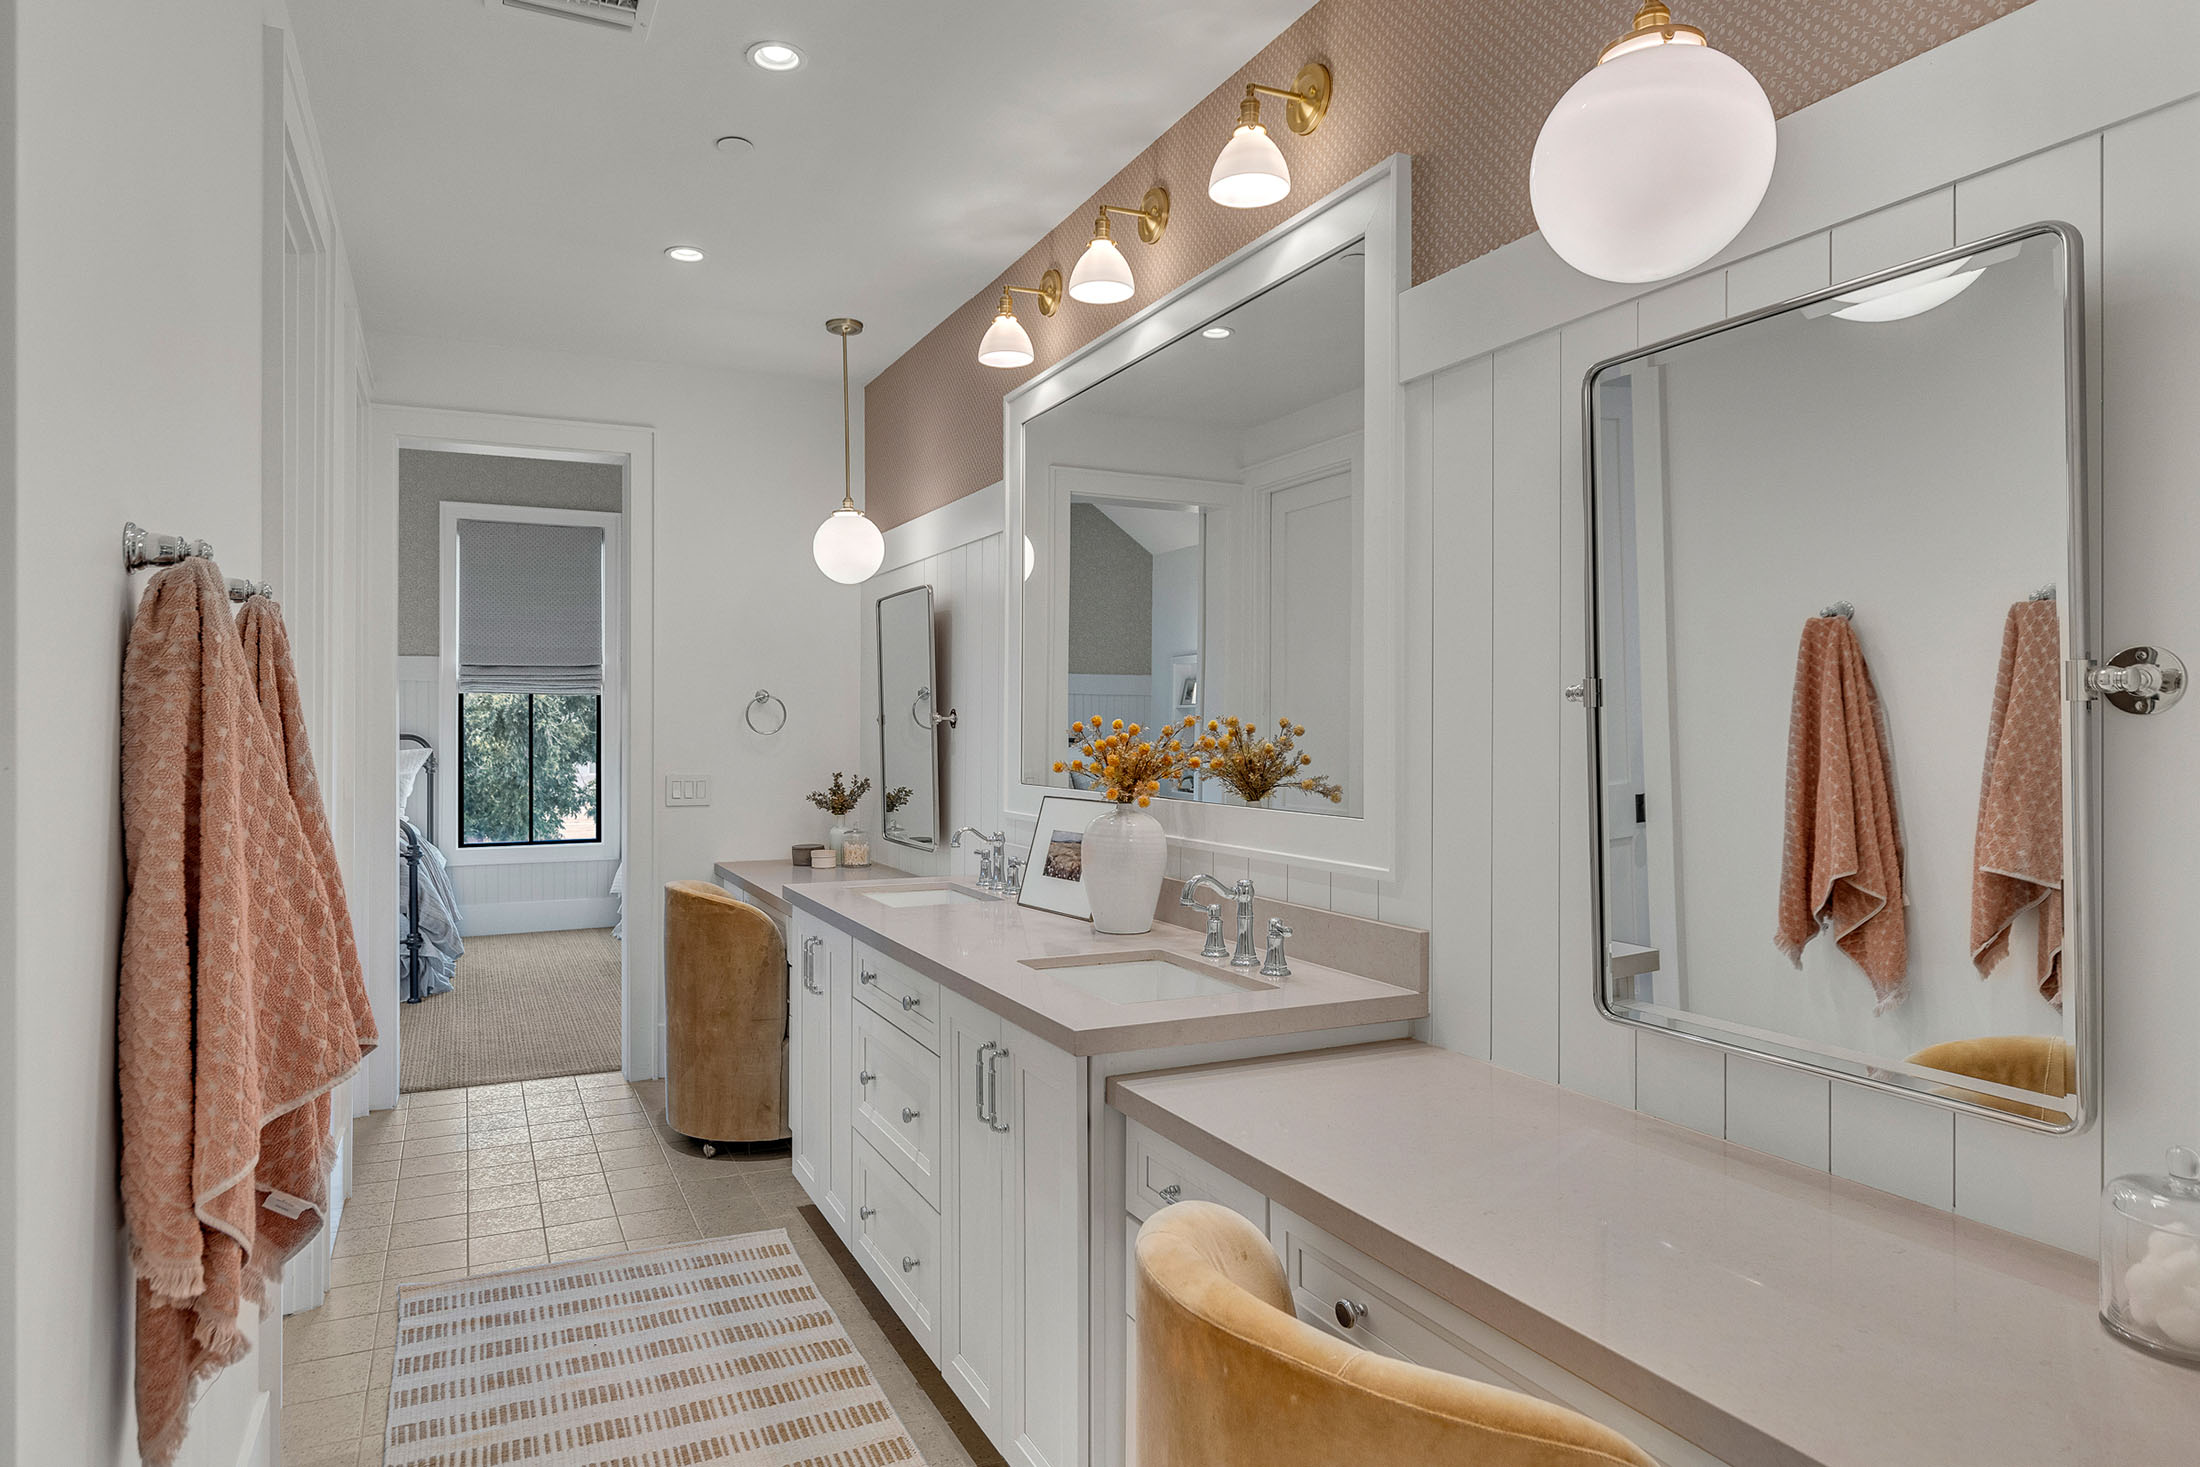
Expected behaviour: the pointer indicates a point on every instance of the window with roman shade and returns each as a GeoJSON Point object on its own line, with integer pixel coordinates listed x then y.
{"type": "Point", "coordinates": [530, 607]}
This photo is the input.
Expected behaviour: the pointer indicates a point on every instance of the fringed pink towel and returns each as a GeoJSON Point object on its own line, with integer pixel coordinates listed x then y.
{"type": "Point", "coordinates": [2018, 861]}
{"type": "Point", "coordinates": [1841, 858]}
{"type": "Point", "coordinates": [231, 1014]}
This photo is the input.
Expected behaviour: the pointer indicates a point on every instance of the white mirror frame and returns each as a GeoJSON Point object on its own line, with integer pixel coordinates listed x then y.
{"type": "Point", "coordinates": [1375, 207]}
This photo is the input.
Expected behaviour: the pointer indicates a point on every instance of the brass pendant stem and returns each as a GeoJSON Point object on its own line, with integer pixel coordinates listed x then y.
{"type": "Point", "coordinates": [845, 327]}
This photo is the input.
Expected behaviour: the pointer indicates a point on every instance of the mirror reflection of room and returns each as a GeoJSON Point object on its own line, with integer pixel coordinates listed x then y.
{"type": "Point", "coordinates": [1196, 530]}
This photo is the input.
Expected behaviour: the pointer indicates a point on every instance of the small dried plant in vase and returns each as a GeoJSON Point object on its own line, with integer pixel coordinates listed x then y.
{"type": "Point", "coordinates": [896, 798]}
{"type": "Point", "coordinates": [1130, 764]}
{"type": "Point", "coordinates": [842, 796]}
{"type": "Point", "coordinates": [1255, 765]}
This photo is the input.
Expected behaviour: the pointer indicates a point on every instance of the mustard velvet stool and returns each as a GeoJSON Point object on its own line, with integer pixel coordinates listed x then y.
{"type": "Point", "coordinates": [2041, 1063]}
{"type": "Point", "coordinates": [1228, 1376]}
{"type": "Point", "coordinates": [726, 1017]}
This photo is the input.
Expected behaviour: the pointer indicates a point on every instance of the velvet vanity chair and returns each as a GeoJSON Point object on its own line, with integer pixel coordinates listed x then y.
{"type": "Point", "coordinates": [2041, 1063]}
{"type": "Point", "coordinates": [726, 1018]}
{"type": "Point", "coordinates": [1228, 1376]}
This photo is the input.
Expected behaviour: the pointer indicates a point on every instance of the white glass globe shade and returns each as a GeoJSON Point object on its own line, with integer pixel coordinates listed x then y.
{"type": "Point", "coordinates": [1249, 172]}
{"type": "Point", "coordinates": [848, 546]}
{"type": "Point", "coordinates": [1652, 163]}
{"type": "Point", "coordinates": [1910, 295]}
{"type": "Point", "coordinates": [1102, 276]}
{"type": "Point", "coordinates": [1031, 557]}
{"type": "Point", "coordinates": [1006, 343]}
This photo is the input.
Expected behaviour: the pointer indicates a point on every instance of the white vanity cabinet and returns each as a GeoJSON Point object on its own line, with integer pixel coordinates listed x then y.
{"type": "Point", "coordinates": [820, 1044]}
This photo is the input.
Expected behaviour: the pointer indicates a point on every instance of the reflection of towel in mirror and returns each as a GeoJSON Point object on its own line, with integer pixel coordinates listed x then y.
{"type": "Point", "coordinates": [1841, 859]}
{"type": "Point", "coordinates": [2019, 858]}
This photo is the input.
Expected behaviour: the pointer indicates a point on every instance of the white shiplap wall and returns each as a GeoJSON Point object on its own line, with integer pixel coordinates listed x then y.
{"type": "Point", "coordinates": [515, 896]}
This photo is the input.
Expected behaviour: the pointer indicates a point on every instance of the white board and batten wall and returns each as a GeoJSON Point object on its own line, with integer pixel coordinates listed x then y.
{"type": "Point", "coordinates": [1494, 406]}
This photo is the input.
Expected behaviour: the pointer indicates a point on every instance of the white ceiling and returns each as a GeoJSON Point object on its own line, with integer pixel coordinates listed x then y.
{"type": "Point", "coordinates": [1158, 530]}
{"type": "Point", "coordinates": [510, 176]}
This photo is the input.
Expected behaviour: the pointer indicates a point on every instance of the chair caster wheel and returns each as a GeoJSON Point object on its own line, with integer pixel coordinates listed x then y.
{"type": "Point", "coordinates": [709, 1150]}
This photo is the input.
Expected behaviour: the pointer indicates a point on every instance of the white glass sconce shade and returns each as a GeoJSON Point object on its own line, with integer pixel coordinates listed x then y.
{"type": "Point", "coordinates": [1653, 162]}
{"type": "Point", "coordinates": [1102, 276]}
{"type": "Point", "coordinates": [1006, 343]}
{"type": "Point", "coordinates": [848, 546]}
{"type": "Point", "coordinates": [1249, 172]}
{"type": "Point", "coordinates": [1031, 557]}
{"type": "Point", "coordinates": [1910, 295]}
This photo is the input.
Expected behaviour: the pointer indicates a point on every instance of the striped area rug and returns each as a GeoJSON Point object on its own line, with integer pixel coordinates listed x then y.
{"type": "Point", "coordinates": [719, 1352]}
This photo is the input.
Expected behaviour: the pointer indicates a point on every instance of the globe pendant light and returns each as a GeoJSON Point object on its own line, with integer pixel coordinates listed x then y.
{"type": "Point", "coordinates": [848, 546]}
{"type": "Point", "coordinates": [1654, 161]}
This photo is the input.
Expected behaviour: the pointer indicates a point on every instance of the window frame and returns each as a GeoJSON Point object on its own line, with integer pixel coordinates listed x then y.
{"type": "Point", "coordinates": [532, 840]}
{"type": "Point", "coordinates": [611, 705]}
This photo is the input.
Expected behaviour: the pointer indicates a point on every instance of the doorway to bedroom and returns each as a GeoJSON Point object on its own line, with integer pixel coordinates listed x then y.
{"type": "Point", "coordinates": [511, 714]}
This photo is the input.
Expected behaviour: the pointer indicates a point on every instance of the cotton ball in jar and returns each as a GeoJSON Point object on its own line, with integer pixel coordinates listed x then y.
{"type": "Point", "coordinates": [2164, 1288]}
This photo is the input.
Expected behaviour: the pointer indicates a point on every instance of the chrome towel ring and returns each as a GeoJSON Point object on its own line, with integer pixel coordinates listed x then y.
{"type": "Point", "coordinates": [925, 718]}
{"type": "Point", "coordinates": [764, 699]}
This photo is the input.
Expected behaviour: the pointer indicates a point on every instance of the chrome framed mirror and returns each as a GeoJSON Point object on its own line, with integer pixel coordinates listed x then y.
{"type": "Point", "coordinates": [909, 720]}
{"type": "Point", "coordinates": [1842, 778]}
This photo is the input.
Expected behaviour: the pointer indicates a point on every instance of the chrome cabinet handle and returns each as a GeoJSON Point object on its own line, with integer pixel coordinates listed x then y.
{"type": "Point", "coordinates": [993, 1090]}
{"type": "Point", "coordinates": [908, 1114]}
{"type": "Point", "coordinates": [865, 1214]}
{"type": "Point", "coordinates": [864, 1077]}
{"type": "Point", "coordinates": [1172, 1194]}
{"type": "Point", "coordinates": [1349, 1313]}
{"type": "Point", "coordinates": [909, 1001]}
{"type": "Point", "coordinates": [908, 1264]}
{"type": "Point", "coordinates": [978, 1088]}
{"type": "Point", "coordinates": [866, 976]}
{"type": "Point", "coordinates": [811, 984]}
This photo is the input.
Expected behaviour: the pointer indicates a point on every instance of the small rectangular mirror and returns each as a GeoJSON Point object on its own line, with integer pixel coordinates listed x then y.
{"type": "Point", "coordinates": [1841, 783]}
{"type": "Point", "coordinates": [908, 742]}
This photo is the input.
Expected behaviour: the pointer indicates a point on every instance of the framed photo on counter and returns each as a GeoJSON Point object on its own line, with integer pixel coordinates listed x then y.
{"type": "Point", "coordinates": [1054, 869]}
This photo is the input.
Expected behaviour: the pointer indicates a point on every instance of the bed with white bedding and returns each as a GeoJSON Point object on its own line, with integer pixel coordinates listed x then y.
{"type": "Point", "coordinates": [428, 943]}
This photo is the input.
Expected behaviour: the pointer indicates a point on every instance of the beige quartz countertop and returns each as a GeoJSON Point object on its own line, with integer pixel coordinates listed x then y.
{"type": "Point", "coordinates": [768, 880]}
{"type": "Point", "coordinates": [1771, 1314]}
{"type": "Point", "coordinates": [978, 948]}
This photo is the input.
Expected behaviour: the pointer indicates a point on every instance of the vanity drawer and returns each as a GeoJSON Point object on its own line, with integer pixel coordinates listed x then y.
{"type": "Point", "coordinates": [900, 994]}
{"type": "Point", "coordinates": [898, 1238]}
{"type": "Point", "coordinates": [1393, 1316]}
{"type": "Point", "coordinates": [897, 1101]}
{"type": "Point", "coordinates": [1159, 1172]}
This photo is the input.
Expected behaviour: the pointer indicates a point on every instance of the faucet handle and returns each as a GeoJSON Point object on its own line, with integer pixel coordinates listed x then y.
{"type": "Point", "coordinates": [1276, 967]}
{"type": "Point", "coordinates": [1013, 881]}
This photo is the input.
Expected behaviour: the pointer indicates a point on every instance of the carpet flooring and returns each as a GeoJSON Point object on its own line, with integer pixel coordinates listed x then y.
{"type": "Point", "coordinates": [722, 1350]}
{"type": "Point", "coordinates": [526, 1006]}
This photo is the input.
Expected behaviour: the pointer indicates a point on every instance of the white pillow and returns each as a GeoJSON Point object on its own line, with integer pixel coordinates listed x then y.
{"type": "Point", "coordinates": [411, 759]}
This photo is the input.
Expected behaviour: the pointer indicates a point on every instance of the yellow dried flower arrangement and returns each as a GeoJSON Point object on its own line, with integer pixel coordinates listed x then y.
{"type": "Point", "coordinates": [1125, 766]}
{"type": "Point", "coordinates": [1254, 767]}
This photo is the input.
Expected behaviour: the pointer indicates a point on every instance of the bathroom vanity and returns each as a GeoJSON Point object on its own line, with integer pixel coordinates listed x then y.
{"type": "Point", "coordinates": [950, 1055]}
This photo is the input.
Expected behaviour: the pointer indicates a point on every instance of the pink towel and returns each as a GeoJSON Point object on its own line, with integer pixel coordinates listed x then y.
{"type": "Point", "coordinates": [1841, 858]}
{"type": "Point", "coordinates": [2018, 860]}
{"type": "Point", "coordinates": [230, 1014]}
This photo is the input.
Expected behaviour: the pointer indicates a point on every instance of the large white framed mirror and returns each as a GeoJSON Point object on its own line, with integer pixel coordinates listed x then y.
{"type": "Point", "coordinates": [1209, 506]}
{"type": "Point", "coordinates": [1842, 780]}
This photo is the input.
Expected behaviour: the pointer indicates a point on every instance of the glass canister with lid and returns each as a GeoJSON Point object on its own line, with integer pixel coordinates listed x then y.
{"type": "Point", "coordinates": [2150, 1259]}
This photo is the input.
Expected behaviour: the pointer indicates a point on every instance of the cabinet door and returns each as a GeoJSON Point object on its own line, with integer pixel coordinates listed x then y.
{"type": "Point", "coordinates": [1039, 1093]}
{"type": "Point", "coordinates": [810, 1054]}
{"type": "Point", "coordinates": [974, 1214]}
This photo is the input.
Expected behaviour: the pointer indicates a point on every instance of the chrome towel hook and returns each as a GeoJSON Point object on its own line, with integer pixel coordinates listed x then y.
{"type": "Point", "coordinates": [764, 699]}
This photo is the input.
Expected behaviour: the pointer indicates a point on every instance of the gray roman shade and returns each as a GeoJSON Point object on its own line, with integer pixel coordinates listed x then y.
{"type": "Point", "coordinates": [530, 608]}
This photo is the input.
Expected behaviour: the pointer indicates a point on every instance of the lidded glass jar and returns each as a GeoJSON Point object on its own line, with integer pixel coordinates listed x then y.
{"type": "Point", "coordinates": [855, 846]}
{"type": "Point", "coordinates": [2150, 1259]}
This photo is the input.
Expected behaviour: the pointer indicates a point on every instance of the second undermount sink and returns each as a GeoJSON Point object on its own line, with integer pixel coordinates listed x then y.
{"type": "Point", "coordinates": [1146, 977]}
{"type": "Point", "coordinates": [943, 895]}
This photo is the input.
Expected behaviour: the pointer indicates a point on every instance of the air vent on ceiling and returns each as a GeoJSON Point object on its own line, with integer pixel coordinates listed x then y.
{"type": "Point", "coordinates": [626, 15]}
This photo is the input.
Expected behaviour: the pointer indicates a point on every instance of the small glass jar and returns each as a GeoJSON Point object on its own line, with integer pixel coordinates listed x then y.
{"type": "Point", "coordinates": [855, 846]}
{"type": "Point", "coordinates": [2150, 1259]}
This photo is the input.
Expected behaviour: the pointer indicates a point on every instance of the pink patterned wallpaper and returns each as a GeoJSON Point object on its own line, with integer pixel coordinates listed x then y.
{"type": "Point", "coordinates": [1462, 85]}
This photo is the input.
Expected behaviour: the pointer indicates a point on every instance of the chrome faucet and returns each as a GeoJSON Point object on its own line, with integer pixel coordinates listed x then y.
{"type": "Point", "coordinates": [992, 864]}
{"type": "Point", "coordinates": [1243, 893]}
{"type": "Point", "coordinates": [1276, 967]}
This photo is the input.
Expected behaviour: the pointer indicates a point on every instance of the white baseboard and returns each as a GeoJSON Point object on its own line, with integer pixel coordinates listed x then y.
{"type": "Point", "coordinates": [491, 919]}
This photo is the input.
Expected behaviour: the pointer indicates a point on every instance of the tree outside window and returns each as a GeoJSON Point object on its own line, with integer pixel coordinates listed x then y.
{"type": "Point", "coordinates": [528, 768]}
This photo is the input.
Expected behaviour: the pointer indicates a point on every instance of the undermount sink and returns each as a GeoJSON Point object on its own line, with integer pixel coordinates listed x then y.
{"type": "Point", "coordinates": [928, 896]}
{"type": "Point", "coordinates": [1146, 977]}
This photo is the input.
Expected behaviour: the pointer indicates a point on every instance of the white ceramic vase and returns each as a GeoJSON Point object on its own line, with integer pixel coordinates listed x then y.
{"type": "Point", "coordinates": [1124, 856]}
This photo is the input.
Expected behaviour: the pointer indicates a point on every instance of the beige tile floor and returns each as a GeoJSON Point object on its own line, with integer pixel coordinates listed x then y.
{"type": "Point", "coordinates": [458, 1182]}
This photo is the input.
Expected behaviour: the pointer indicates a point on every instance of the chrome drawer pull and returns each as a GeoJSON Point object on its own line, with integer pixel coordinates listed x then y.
{"type": "Point", "coordinates": [866, 976]}
{"type": "Point", "coordinates": [908, 1265]}
{"type": "Point", "coordinates": [1350, 1313]}
{"type": "Point", "coordinates": [865, 1214]}
{"type": "Point", "coordinates": [909, 1001]}
{"type": "Point", "coordinates": [864, 1077]}
{"type": "Point", "coordinates": [1171, 1195]}
{"type": "Point", "coordinates": [908, 1114]}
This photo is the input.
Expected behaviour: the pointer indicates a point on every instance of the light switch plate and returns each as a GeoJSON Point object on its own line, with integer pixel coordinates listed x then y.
{"type": "Point", "coordinates": [687, 789]}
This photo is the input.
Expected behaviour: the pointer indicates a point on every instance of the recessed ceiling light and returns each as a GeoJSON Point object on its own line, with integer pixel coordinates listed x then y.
{"type": "Point", "coordinates": [774, 56]}
{"type": "Point", "coordinates": [685, 254]}
{"type": "Point", "coordinates": [734, 143]}
{"type": "Point", "coordinates": [1215, 333]}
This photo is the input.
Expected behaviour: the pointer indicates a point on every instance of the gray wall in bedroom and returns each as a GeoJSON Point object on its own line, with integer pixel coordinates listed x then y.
{"type": "Point", "coordinates": [1110, 596]}
{"type": "Point", "coordinates": [427, 477]}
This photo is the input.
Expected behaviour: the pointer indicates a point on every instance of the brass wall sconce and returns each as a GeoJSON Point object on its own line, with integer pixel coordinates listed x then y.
{"type": "Point", "coordinates": [1006, 343]}
{"type": "Point", "coordinates": [1103, 276]}
{"type": "Point", "coordinates": [1250, 171]}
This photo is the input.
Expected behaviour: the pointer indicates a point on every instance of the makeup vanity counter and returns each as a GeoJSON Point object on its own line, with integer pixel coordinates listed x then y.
{"type": "Point", "coordinates": [947, 1104]}
{"type": "Point", "coordinates": [766, 882]}
{"type": "Point", "coordinates": [1767, 1313]}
